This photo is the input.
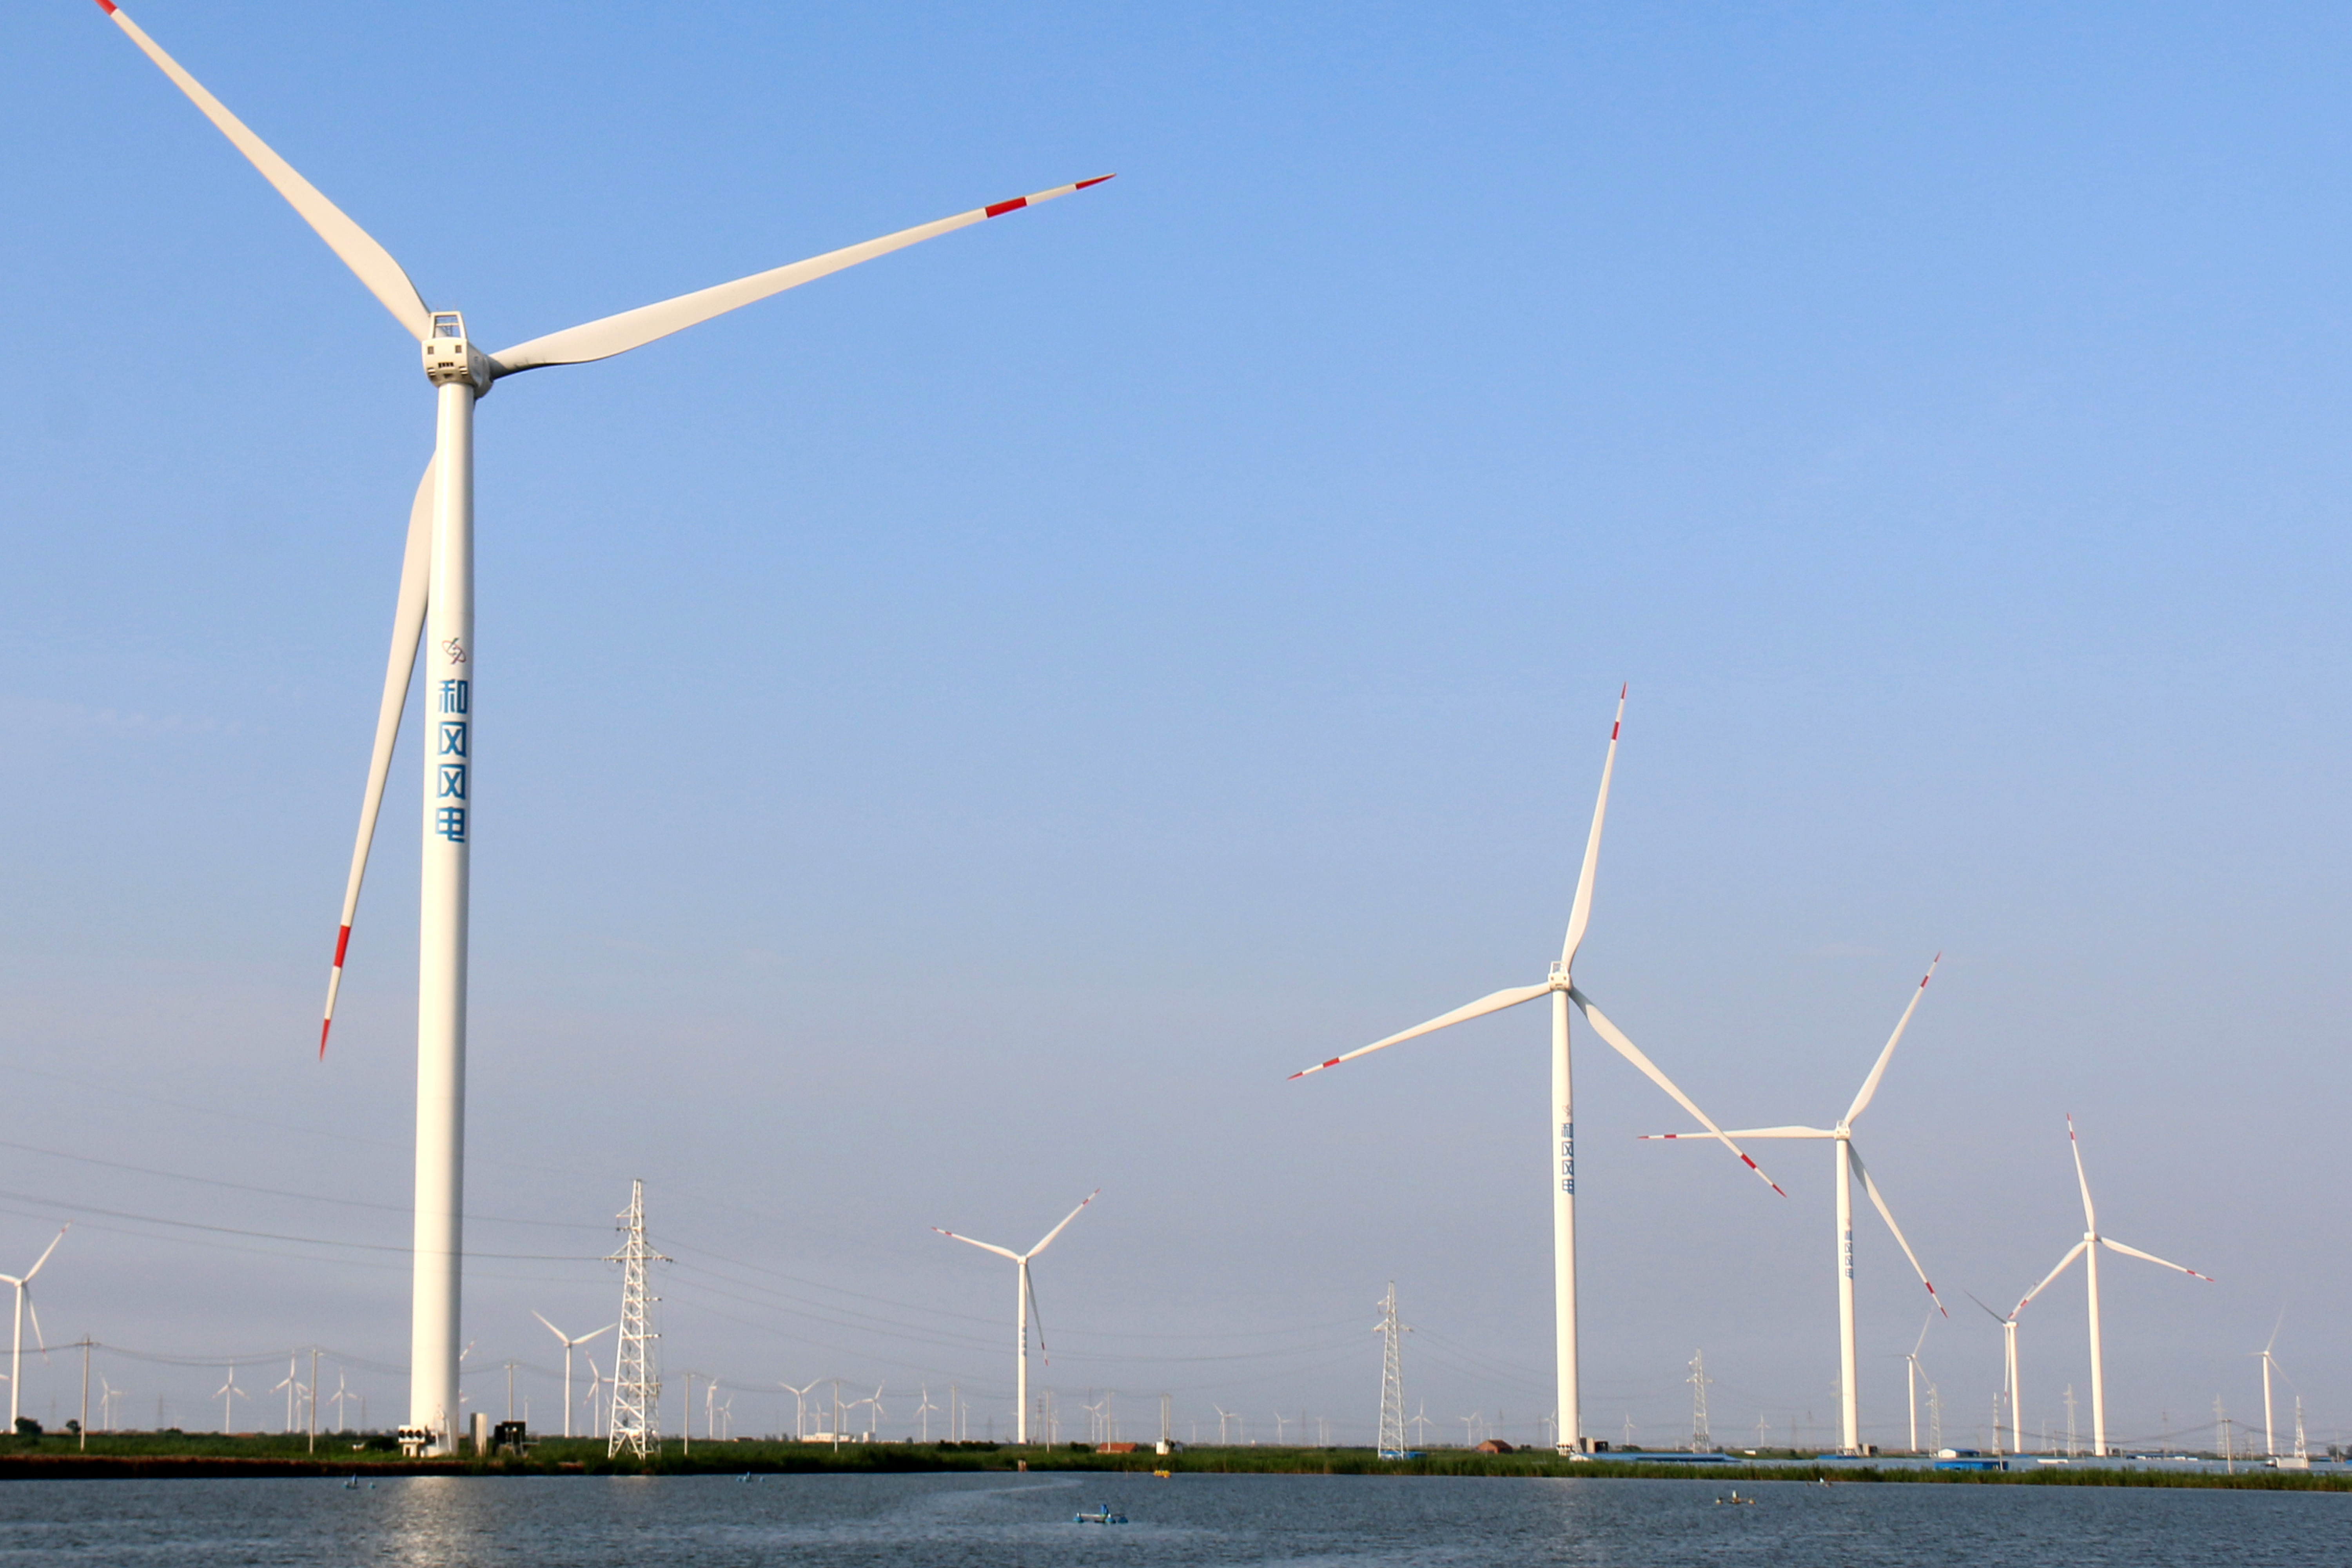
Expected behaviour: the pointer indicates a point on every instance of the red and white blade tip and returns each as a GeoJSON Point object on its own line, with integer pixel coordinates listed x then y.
{"type": "Point", "coordinates": [334, 984]}
{"type": "Point", "coordinates": [1769, 1182]}
{"type": "Point", "coordinates": [998, 209]}
{"type": "Point", "coordinates": [107, 6]}
{"type": "Point", "coordinates": [1932, 1296]}
{"type": "Point", "coordinates": [1318, 1067]}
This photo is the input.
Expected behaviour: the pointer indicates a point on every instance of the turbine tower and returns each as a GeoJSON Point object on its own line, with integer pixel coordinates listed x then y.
{"type": "Point", "coordinates": [2088, 1249]}
{"type": "Point", "coordinates": [630, 1411]}
{"type": "Point", "coordinates": [1026, 1310]}
{"type": "Point", "coordinates": [437, 587]}
{"type": "Point", "coordinates": [1562, 1112]}
{"type": "Point", "coordinates": [1849, 1165]}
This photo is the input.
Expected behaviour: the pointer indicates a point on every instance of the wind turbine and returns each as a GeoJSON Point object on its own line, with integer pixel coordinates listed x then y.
{"type": "Point", "coordinates": [340, 1399]}
{"type": "Point", "coordinates": [24, 1285]}
{"type": "Point", "coordinates": [437, 601]}
{"type": "Point", "coordinates": [2270, 1438]}
{"type": "Point", "coordinates": [2016, 1395]}
{"type": "Point", "coordinates": [923, 1411]}
{"type": "Point", "coordinates": [293, 1390]}
{"type": "Point", "coordinates": [1026, 1310]}
{"type": "Point", "coordinates": [1914, 1372]}
{"type": "Point", "coordinates": [1849, 1165]}
{"type": "Point", "coordinates": [2088, 1249]}
{"type": "Point", "coordinates": [1561, 989]}
{"type": "Point", "coordinates": [596, 1382]}
{"type": "Point", "coordinates": [568, 1343]}
{"type": "Point", "coordinates": [800, 1409]}
{"type": "Point", "coordinates": [228, 1394]}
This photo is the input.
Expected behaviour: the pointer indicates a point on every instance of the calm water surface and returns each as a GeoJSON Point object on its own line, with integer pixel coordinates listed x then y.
{"type": "Point", "coordinates": [943, 1522]}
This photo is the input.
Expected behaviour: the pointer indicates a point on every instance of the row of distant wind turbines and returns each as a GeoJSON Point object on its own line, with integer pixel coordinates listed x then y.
{"type": "Point", "coordinates": [435, 603]}
{"type": "Point", "coordinates": [1561, 989]}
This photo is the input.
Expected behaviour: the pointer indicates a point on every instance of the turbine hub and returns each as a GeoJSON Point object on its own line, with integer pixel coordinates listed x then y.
{"type": "Point", "coordinates": [1559, 975]}
{"type": "Point", "coordinates": [450, 357]}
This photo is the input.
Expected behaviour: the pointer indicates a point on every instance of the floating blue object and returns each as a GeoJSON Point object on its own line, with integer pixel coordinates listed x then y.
{"type": "Point", "coordinates": [1100, 1516]}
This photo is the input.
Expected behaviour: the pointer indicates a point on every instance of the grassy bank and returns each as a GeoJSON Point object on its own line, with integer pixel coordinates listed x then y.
{"type": "Point", "coordinates": [187, 1454]}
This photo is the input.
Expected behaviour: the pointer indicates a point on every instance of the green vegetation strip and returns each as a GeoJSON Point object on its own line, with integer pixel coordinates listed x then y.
{"type": "Point", "coordinates": [190, 1454]}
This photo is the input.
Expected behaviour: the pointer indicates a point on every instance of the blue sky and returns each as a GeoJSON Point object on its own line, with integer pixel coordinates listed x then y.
{"type": "Point", "coordinates": [959, 733]}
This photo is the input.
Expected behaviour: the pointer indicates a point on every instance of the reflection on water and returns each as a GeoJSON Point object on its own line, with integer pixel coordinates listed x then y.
{"type": "Point", "coordinates": [948, 1521]}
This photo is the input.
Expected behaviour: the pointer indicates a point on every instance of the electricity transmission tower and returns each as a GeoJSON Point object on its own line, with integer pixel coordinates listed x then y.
{"type": "Point", "coordinates": [1698, 1380]}
{"type": "Point", "coordinates": [637, 1380]}
{"type": "Point", "coordinates": [1391, 1440]}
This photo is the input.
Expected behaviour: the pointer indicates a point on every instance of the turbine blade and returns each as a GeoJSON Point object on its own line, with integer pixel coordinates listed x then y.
{"type": "Point", "coordinates": [370, 262]}
{"type": "Point", "coordinates": [552, 1329]}
{"type": "Point", "coordinates": [2090, 1218]}
{"type": "Point", "coordinates": [2152, 1257]}
{"type": "Point", "coordinates": [1034, 1314]}
{"type": "Point", "coordinates": [1887, 1215]}
{"type": "Point", "coordinates": [1649, 1069]}
{"type": "Point", "coordinates": [1494, 1003]}
{"type": "Point", "coordinates": [1743, 1132]}
{"type": "Point", "coordinates": [44, 1257]}
{"type": "Point", "coordinates": [35, 1314]}
{"type": "Point", "coordinates": [1580, 913]}
{"type": "Point", "coordinates": [634, 329]}
{"type": "Point", "coordinates": [1972, 1296]}
{"type": "Point", "coordinates": [2073, 1253]}
{"type": "Point", "coordinates": [1878, 1068]}
{"type": "Point", "coordinates": [1059, 1228]}
{"type": "Point", "coordinates": [585, 1338]}
{"type": "Point", "coordinates": [985, 1246]}
{"type": "Point", "coordinates": [407, 627]}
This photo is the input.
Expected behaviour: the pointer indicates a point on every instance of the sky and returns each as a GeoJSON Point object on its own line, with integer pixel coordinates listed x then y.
{"type": "Point", "coordinates": [958, 735]}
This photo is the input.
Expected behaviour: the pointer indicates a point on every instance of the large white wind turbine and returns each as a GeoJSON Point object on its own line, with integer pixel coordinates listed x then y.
{"type": "Point", "coordinates": [1027, 1310]}
{"type": "Point", "coordinates": [1561, 989]}
{"type": "Point", "coordinates": [24, 1284]}
{"type": "Point", "coordinates": [2088, 1249]}
{"type": "Point", "coordinates": [437, 586]}
{"type": "Point", "coordinates": [1849, 1165]}
{"type": "Point", "coordinates": [568, 1340]}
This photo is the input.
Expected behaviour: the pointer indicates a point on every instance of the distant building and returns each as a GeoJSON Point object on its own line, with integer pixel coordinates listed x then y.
{"type": "Point", "coordinates": [1495, 1446]}
{"type": "Point", "coordinates": [1114, 1448]}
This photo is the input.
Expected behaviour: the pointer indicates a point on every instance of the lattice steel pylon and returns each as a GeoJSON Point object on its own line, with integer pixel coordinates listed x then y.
{"type": "Point", "coordinates": [637, 1380]}
{"type": "Point", "coordinates": [1701, 1439]}
{"type": "Point", "coordinates": [1391, 1332]}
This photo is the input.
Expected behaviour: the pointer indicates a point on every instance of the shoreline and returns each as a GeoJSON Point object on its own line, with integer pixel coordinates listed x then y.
{"type": "Point", "coordinates": [149, 1459]}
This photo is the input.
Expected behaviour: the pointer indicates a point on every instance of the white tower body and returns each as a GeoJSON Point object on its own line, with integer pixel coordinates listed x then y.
{"type": "Point", "coordinates": [1568, 1436]}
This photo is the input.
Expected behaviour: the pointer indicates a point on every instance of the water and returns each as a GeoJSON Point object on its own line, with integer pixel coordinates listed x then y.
{"type": "Point", "coordinates": [947, 1520]}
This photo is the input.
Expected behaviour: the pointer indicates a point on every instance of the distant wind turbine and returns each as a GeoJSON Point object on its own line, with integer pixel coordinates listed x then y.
{"type": "Point", "coordinates": [1849, 1165]}
{"type": "Point", "coordinates": [437, 585]}
{"type": "Point", "coordinates": [228, 1393]}
{"type": "Point", "coordinates": [2016, 1394]}
{"type": "Point", "coordinates": [568, 1341]}
{"type": "Point", "coordinates": [1026, 1310]}
{"type": "Point", "coordinates": [1562, 990]}
{"type": "Point", "coordinates": [2270, 1438]}
{"type": "Point", "coordinates": [24, 1284]}
{"type": "Point", "coordinates": [2088, 1249]}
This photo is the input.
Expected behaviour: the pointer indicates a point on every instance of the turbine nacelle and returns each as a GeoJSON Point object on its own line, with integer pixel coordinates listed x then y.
{"type": "Point", "coordinates": [451, 358]}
